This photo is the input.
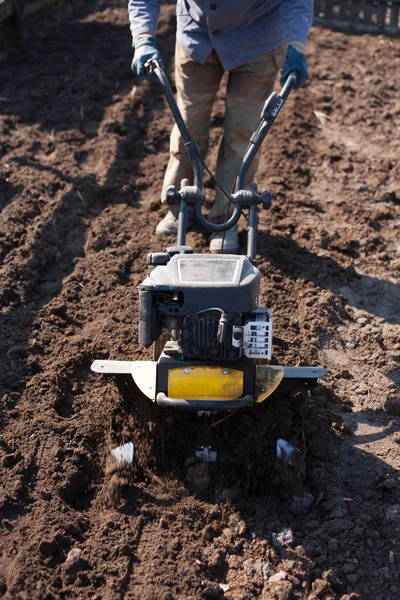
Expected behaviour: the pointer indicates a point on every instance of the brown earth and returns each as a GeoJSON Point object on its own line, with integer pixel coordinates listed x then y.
{"type": "Point", "coordinates": [81, 163]}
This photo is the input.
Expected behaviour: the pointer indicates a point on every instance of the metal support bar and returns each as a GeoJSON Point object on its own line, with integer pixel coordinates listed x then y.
{"type": "Point", "coordinates": [252, 234]}
{"type": "Point", "coordinates": [207, 405]}
{"type": "Point", "coordinates": [182, 224]}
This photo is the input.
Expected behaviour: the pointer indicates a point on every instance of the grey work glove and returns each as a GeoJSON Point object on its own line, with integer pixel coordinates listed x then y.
{"type": "Point", "coordinates": [145, 49]}
{"type": "Point", "coordinates": [295, 61]}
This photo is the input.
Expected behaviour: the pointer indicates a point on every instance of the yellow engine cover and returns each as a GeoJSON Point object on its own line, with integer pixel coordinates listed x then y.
{"type": "Point", "coordinates": [205, 383]}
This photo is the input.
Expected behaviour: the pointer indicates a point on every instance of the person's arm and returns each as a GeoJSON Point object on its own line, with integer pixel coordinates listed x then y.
{"type": "Point", "coordinates": [143, 16]}
{"type": "Point", "coordinates": [297, 18]}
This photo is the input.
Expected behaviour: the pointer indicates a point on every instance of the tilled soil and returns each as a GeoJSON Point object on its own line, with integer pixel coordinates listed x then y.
{"type": "Point", "coordinates": [82, 155]}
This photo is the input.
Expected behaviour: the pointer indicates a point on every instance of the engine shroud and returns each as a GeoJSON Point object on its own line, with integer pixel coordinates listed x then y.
{"type": "Point", "coordinates": [189, 283]}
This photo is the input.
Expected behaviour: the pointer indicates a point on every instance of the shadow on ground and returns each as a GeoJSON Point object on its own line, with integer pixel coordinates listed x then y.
{"type": "Point", "coordinates": [376, 296]}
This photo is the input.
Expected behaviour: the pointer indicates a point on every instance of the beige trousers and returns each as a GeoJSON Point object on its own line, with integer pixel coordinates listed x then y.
{"type": "Point", "coordinates": [247, 89]}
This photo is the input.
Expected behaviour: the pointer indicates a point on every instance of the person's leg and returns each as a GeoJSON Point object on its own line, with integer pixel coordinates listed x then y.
{"type": "Point", "coordinates": [196, 86]}
{"type": "Point", "coordinates": [248, 88]}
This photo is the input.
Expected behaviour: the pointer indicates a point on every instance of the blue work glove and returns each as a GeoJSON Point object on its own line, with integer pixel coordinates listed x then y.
{"type": "Point", "coordinates": [295, 61]}
{"type": "Point", "coordinates": [145, 49]}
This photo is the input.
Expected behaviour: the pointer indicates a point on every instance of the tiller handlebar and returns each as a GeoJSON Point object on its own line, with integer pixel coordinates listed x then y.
{"type": "Point", "coordinates": [240, 198]}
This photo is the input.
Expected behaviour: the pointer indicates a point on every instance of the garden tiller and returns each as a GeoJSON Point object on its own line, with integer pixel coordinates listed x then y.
{"type": "Point", "coordinates": [212, 341]}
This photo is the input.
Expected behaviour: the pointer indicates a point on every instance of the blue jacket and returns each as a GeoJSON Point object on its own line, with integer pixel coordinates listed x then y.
{"type": "Point", "coordinates": [238, 30]}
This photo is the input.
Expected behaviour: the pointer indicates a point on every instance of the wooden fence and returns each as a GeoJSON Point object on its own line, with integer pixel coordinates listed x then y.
{"type": "Point", "coordinates": [369, 16]}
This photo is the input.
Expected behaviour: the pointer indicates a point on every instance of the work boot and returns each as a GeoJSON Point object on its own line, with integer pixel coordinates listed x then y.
{"type": "Point", "coordinates": [231, 242]}
{"type": "Point", "coordinates": [169, 224]}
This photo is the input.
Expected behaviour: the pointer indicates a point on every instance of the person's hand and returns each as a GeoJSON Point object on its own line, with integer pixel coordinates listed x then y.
{"type": "Point", "coordinates": [295, 61]}
{"type": "Point", "coordinates": [145, 49]}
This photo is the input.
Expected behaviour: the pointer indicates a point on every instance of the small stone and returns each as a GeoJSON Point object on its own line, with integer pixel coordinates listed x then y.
{"type": "Point", "coordinates": [284, 538]}
{"type": "Point", "coordinates": [301, 504]}
{"type": "Point", "coordinates": [280, 576]}
{"type": "Point", "coordinates": [363, 391]}
{"type": "Point", "coordinates": [393, 513]}
{"type": "Point", "coordinates": [352, 343]}
{"type": "Point", "coordinates": [249, 565]}
{"type": "Point", "coordinates": [73, 554]}
{"type": "Point", "coordinates": [234, 561]}
{"type": "Point", "coordinates": [267, 570]}
{"type": "Point", "coordinates": [388, 484]}
{"type": "Point", "coordinates": [224, 587]}
{"type": "Point", "coordinates": [241, 528]}
{"type": "Point", "coordinates": [391, 557]}
{"type": "Point", "coordinates": [362, 321]}
{"type": "Point", "coordinates": [16, 352]}
{"type": "Point", "coordinates": [339, 512]}
{"type": "Point", "coordinates": [209, 533]}
{"type": "Point", "coordinates": [73, 565]}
